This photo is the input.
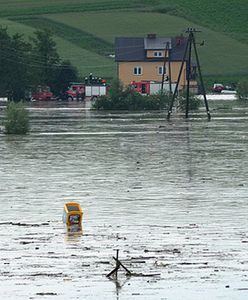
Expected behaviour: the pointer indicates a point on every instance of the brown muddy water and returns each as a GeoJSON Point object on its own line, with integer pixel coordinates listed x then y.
{"type": "Point", "coordinates": [172, 196]}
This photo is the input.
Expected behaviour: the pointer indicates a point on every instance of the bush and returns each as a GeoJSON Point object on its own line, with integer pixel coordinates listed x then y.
{"type": "Point", "coordinates": [121, 98]}
{"type": "Point", "coordinates": [194, 102]}
{"type": "Point", "coordinates": [158, 101]}
{"type": "Point", "coordinates": [17, 119]}
{"type": "Point", "coordinates": [242, 90]}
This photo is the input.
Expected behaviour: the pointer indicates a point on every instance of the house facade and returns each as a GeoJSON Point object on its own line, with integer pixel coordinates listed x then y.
{"type": "Point", "coordinates": [146, 59]}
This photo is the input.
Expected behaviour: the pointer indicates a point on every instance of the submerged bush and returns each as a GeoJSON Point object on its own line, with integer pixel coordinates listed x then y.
{"type": "Point", "coordinates": [121, 98]}
{"type": "Point", "coordinates": [194, 102]}
{"type": "Point", "coordinates": [242, 90]}
{"type": "Point", "coordinates": [17, 119]}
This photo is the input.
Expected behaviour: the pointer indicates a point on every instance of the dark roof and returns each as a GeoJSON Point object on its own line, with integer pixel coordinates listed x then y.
{"type": "Point", "coordinates": [129, 49]}
{"type": "Point", "coordinates": [134, 48]}
{"type": "Point", "coordinates": [178, 48]}
{"type": "Point", "coordinates": [156, 43]}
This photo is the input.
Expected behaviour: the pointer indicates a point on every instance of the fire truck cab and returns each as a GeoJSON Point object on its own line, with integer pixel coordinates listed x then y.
{"type": "Point", "coordinates": [142, 87]}
{"type": "Point", "coordinates": [76, 91]}
{"type": "Point", "coordinates": [42, 93]}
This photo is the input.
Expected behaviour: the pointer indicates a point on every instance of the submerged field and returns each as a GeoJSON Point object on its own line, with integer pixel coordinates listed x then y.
{"type": "Point", "coordinates": [85, 30]}
{"type": "Point", "coordinates": [171, 196]}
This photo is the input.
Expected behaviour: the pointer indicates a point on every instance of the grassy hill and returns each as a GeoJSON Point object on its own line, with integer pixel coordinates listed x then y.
{"type": "Point", "coordinates": [85, 29]}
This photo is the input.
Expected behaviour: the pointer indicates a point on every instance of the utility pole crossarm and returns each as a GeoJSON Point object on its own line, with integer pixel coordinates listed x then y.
{"type": "Point", "coordinates": [188, 51]}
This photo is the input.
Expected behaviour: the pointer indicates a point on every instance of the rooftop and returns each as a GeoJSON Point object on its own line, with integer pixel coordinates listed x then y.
{"type": "Point", "coordinates": [134, 48]}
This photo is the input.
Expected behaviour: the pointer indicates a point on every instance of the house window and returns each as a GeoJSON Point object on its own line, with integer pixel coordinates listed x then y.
{"type": "Point", "coordinates": [137, 71]}
{"type": "Point", "coordinates": [160, 70]}
{"type": "Point", "coordinates": [157, 53]}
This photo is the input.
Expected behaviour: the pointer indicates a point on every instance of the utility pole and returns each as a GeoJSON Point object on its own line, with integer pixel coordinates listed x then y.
{"type": "Point", "coordinates": [188, 75]}
{"type": "Point", "coordinates": [187, 59]}
{"type": "Point", "coordinates": [164, 65]}
{"type": "Point", "coordinates": [170, 76]}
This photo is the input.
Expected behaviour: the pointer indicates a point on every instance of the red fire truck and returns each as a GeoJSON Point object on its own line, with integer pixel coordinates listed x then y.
{"type": "Point", "coordinates": [76, 91]}
{"type": "Point", "coordinates": [42, 93]}
{"type": "Point", "coordinates": [151, 87]}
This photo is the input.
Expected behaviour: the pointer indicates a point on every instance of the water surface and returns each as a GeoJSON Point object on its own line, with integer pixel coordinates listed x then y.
{"type": "Point", "coordinates": [172, 196]}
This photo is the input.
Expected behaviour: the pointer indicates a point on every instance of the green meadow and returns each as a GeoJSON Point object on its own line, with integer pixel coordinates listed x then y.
{"type": "Point", "coordinates": [85, 30]}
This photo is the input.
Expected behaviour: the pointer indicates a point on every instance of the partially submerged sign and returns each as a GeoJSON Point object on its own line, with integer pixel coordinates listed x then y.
{"type": "Point", "coordinates": [72, 214]}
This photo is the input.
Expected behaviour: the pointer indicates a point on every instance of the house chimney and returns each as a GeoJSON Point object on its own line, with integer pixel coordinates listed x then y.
{"type": "Point", "coordinates": [151, 35]}
{"type": "Point", "coordinates": [179, 40]}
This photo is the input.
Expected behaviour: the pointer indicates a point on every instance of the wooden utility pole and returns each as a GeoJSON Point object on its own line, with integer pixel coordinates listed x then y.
{"type": "Point", "coordinates": [187, 59]}
{"type": "Point", "coordinates": [164, 66]}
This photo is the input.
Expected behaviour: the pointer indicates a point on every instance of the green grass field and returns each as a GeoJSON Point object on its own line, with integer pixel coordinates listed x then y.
{"type": "Point", "coordinates": [226, 16]}
{"type": "Point", "coordinates": [85, 30]}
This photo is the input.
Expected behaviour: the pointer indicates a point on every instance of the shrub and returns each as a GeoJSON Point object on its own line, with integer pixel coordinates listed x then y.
{"type": "Point", "coordinates": [242, 90]}
{"type": "Point", "coordinates": [121, 98]}
{"type": "Point", "coordinates": [158, 101]}
{"type": "Point", "coordinates": [194, 102]}
{"type": "Point", "coordinates": [17, 119]}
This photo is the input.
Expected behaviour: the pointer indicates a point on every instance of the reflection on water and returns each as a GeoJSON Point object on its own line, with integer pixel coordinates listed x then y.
{"type": "Point", "coordinates": [74, 230]}
{"type": "Point", "coordinates": [172, 196]}
{"type": "Point", "coordinates": [119, 284]}
{"type": "Point", "coordinates": [74, 233]}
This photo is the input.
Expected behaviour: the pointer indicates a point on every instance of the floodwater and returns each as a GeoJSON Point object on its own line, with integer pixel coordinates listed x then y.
{"type": "Point", "coordinates": [171, 196]}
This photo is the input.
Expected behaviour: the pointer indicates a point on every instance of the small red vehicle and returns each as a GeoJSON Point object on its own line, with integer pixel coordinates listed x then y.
{"type": "Point", "coordinates": [218, 88]}
{"type": "Point", "coordinates": [42, 93]}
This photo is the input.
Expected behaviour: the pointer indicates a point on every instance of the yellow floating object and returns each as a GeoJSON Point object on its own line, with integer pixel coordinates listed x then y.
{"type": "Point", "coordinates": [72, 214]}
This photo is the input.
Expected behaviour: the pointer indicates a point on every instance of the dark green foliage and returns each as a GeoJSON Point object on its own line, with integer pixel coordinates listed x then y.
{"type": "Point", "coordinates": [121, 98]}
{"type": "Point", "coordinates": [50, 71]}
{"type": "Point", "coordinates": [242, 90]}
{"type": "Point", "coordinates": [65, 74]}
{"type": "Point", "coordinates": [46, 57]}
{"type": "Point", "coordinates": [14, 58]}
{"type": "Point", "coordinates": [25, 66]}
{"type": "Point", "coordinates": [17, 119]}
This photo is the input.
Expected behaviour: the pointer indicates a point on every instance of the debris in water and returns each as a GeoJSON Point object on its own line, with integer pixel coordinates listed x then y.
{"type": "Point", "coordinates": [118, 265]}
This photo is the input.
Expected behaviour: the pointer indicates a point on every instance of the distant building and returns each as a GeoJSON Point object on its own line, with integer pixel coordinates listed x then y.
{"type": "Point", "coordinates": [142, 59]}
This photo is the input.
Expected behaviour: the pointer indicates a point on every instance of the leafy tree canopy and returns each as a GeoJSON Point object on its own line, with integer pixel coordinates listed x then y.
{"type": "Point", "coordinates": [29, 64]}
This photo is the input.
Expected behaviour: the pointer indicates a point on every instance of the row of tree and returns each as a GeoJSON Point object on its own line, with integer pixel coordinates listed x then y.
{"type": "Point", "coordinates": [26, 64]}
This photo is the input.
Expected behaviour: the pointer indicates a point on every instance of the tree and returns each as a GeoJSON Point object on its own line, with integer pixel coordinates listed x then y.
{"type": "Point", "coordinates": [14, 65]}
{"type": "Point", "coordinates": [47, 58]}
{"type": "Point", "coordinates": [24, 65]}
{"type": "Point", "coordinates": [66, 73]}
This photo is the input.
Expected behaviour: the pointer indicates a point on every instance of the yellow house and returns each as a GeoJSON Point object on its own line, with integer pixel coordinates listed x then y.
{"type": "Point", "coordinates": [143, 59]}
